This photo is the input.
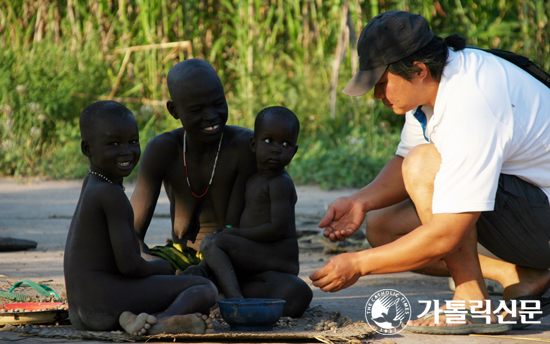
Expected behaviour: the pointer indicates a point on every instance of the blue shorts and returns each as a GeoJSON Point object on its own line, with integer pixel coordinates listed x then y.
{"type": "Point", "coordinates": [518, 229]}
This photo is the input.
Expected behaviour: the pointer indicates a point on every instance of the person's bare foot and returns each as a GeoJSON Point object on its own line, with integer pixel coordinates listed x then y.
{"type": "Point", "coordinates": [136, 324]}
{"type": "Point", "coordinates": [467, 294]}
{"type": "Point", "coordinates": [442, 318]}
{"type": "Point", "coordinates": [189, 323]}
{"type": "Point", "coordinates": [524, 282]}
{"type": "Point", "coordinates": [215, 313]}
{"type": "Point", "coordinates": [431, 321]}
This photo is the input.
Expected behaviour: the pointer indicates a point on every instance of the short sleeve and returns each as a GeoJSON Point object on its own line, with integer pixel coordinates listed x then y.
{"type": "Point", "coordinates": [472, 144]}
{"type": "Point", "coordinates": [412, 135]}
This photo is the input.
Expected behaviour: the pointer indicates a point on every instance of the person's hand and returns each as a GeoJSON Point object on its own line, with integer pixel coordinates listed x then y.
{"type": "Point", "coordinates": [340, 272]}
{"type": "Point", "coordinates": [163, 267]}
{"type": "Point", "coordinates": [219, 229]}
{"type": "Point", "coordinates": [344, 216]}
{"type": "Point", "coordinates": [224, 229]}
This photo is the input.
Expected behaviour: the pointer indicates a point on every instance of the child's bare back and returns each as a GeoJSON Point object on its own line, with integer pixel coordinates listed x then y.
{"type": "Point", "coordinates": [108, 284]}
{"type": "Point", "coordinates": [260, 258]}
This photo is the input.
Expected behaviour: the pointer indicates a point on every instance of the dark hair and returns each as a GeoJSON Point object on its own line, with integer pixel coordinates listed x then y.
{"type": "Point", "coordinates": [98, 111]}
{"type": "Point", "coordinates": [190, 71]}
{"type": "Point", "coordinates": [282, 114]}
{"type": "Point", "coordinates": [433, 55]}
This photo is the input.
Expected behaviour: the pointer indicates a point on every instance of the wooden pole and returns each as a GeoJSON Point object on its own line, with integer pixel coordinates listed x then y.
{"type": "Point", "coordinates": [338, 55]}
{"type": "Point", "coordinates": [128, 51]}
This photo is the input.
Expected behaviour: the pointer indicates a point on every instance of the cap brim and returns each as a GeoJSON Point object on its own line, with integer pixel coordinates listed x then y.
{"type": "Point", "coordinates": [363, 81]}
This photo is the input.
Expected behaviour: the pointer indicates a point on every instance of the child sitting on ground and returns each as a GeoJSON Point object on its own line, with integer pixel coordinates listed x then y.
{"type": "Point", "coordinates": [260, 259]}
{"type": "Point", "coordinates": [108, 283]}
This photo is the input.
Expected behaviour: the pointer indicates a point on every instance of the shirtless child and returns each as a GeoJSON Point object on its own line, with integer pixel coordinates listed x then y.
{"type": "Point", "coordinates": [260, 258]}
{"type": "Point", "coordinates": [108, 283]}
{"type": "Point", "coordinates": [204, 165]}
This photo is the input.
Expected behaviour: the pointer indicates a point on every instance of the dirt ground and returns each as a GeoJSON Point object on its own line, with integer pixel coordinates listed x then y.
{"type": "Point", "coordinates": [42, 210]}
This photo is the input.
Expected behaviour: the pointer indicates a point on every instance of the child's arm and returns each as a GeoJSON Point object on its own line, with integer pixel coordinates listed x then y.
{"type": "Point", "coordinates": [149, 183]}
{"type": "Point", "coordinates": [282, 198]}
{"type": "Point", "coordinates": [246, 169]}
{"type": "Point", "coordinates": [124, 241]}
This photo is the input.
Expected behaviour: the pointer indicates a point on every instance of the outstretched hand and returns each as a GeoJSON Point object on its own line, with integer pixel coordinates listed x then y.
{"type": "Point", "coordinates": [344, 216]}
{"type": "Point", "coordinates": [339, 273]}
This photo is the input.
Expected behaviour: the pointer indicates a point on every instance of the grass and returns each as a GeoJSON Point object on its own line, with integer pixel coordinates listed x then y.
{"type": "Point", "coordinates": [59, 56]}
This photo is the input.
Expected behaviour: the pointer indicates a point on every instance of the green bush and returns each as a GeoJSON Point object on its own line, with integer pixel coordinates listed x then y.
{"type": "Point", "coordinates": [39, 90]}
{"type": "Point", "coordinates": [58, 56]}
{"type": "Point", "coordinates": [348, 153]}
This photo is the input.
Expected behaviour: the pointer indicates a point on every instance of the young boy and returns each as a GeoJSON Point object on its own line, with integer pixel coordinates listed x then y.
{"type": "Point", "coordinates": [204, 165]}
{"type": "Point", "coordinates": [260, 259]}
{"type": "Point", "coordinates": [107, 281]}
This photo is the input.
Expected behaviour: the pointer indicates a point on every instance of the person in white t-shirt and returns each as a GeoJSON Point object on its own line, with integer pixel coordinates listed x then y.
{"type": "Point", "coordinates": [473, 166]}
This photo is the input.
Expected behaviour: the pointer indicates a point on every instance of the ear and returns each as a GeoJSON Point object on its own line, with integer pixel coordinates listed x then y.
{"type": "Point", "coordinates": [295, 149]}
{"type": "Point", "coordinates": [423, 70]}
{"type": "Point", "coordinates": [85, 148]}
{"type": "Point", "coordinates": [253, 144]}
{"type": "Point", "coordinates": [172, 109]}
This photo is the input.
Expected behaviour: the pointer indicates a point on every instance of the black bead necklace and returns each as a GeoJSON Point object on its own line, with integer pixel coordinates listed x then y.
{"type": "Point", "coordinates": [105, 178]}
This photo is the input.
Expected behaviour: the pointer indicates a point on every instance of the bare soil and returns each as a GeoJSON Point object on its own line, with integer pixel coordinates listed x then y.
{"type": "Point", "coordinates": [41, 211]}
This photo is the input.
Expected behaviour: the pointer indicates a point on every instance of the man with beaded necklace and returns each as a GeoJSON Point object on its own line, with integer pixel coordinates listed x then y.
{"type": "Point", "coordinates": [204, 165]}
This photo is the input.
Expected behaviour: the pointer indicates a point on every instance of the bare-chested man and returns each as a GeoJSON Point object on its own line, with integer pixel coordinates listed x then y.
{"type": "Point", "coordinates": [108, 282]}
{"type": "Point", "coordinates": [260, 259]}
{"type": "Point", "coordinates": [204, 165]}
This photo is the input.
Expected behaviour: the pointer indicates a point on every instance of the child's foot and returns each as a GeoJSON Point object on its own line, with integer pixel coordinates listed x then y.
{"type": "Point", "coordinates": [136, 324]}
{"type": "Point", "coordinates": [190, 323]}
{"type": "Point", "coordinates": [215, 313]}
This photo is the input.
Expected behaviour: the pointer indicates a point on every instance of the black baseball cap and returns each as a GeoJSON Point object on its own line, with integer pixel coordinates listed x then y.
{"type": "Point", "coordinates": [387, 38]}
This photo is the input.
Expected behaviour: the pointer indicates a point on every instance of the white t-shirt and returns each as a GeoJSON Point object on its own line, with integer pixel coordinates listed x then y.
{"type": "Point", "coordinates": [490, 117]}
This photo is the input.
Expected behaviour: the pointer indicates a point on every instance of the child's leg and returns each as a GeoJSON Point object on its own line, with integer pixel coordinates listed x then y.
{"type": "Point", "coordinates": [147, 324]}
{"type": "Point", "coordinates": [227, 254]}
{"type": "Point", "coordinates": [264, 269]}
{"type": "Point", "coordinates": [220, 264]}
{"type": "Point", "coordinates": [165, 296]}
{"type": "Point", "coordinates": [253, 256]}
{"type": "Point", "coordinates": [278, 285]}
{"type": "Point", "coordinates": [180, 316]}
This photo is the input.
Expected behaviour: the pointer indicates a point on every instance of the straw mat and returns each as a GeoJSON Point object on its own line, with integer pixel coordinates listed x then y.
{"type": "Point", "coordinates": [302, 329]}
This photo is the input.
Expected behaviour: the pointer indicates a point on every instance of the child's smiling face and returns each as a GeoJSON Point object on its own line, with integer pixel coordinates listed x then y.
{"type": "Point", "coordinates": [274, 144]}
{"type": "Point", "coordinates": [114, 150]}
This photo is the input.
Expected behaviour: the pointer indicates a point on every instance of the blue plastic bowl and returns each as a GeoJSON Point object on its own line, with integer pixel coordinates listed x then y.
{"type": "Point", "coordinates": [251, 314]}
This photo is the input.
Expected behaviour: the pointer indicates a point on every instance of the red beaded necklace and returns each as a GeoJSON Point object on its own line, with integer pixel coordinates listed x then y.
{"type": "Point", "coordinates": [185, 164]}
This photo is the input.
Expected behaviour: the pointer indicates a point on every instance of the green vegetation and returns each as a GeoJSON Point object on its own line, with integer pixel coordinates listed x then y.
{"type": "Point", "coordinates": [58, 56]}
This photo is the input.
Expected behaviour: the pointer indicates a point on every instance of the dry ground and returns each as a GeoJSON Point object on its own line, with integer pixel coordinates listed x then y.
{"type": "Point", "coordinates": [41, 211]}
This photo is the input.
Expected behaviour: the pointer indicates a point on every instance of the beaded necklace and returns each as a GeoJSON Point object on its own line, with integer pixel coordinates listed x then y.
{"type": "Point", "coordinates": [105, 178]}
{"type": "Point", "coordinates": [185, 164]}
